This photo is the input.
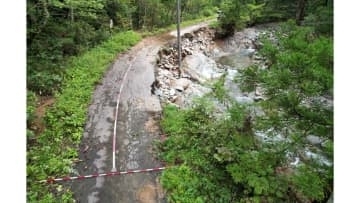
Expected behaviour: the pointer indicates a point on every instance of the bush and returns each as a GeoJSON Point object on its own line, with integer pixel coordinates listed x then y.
{"type": "Point", "coordinates": [31, 103]}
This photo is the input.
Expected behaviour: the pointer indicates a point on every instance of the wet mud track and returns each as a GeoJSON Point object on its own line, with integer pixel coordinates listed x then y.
{"type": "Point", "coordinates": [137, 128]}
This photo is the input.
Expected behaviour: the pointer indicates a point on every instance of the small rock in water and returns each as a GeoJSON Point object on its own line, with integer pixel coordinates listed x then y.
{"type": "Point", "coordinates": [258, 98]}
{"type": "Point", "coordinates": [296, 162]}
{"type": "Point", "coordinates": [158, 92]}
{"type": "Point", "coordinates": [258, 91]}
{"type": "Point", "coordinates": [243, 100]}
{"type": "Point", "coordinates": [315, 140]}
{"type": "Point", "coordinates": [250, 52]}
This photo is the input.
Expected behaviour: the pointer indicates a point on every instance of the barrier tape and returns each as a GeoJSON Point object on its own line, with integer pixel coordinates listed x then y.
{"type": "Point", "coordinates": [53, 180]}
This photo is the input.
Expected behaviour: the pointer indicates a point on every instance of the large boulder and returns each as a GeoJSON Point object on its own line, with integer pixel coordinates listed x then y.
{"type": "Point", "coordinates": [201, 68]}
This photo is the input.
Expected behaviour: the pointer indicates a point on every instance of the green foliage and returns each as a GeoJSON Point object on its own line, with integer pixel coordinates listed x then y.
{"type": "Point", "coordinates": [320, 16]}
{"type": "Point", "coordinates": [55, 149]}
{"type": "Point", "coordinates": [300, 74]}
{"type": "Point", "coordinates": [219, 90]}
{"type": "Point", "coordinates": [236, 14]}
{"type": "Point", "coordinates": [247, 79]}
{"type": "Point", "coordinates": [210, 150]}
{"type": "Point", "coordinates": [57, 30]}
{"type": "Point", "coordinates": [310, 183]}
{"type": "Point", "coordinates": [181, 182]}
{"type": "Point", "coordinates": [277, 10]}
{"type": "Point", "coordinates": [239, 14]}
{"type": "Point", "coordinates": [254, 170]}
{"type": "Point", "coordinates": [31, 102]}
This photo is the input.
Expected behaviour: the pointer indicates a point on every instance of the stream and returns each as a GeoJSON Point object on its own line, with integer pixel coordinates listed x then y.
{"type": "Point", "coordinates": [206, 60]}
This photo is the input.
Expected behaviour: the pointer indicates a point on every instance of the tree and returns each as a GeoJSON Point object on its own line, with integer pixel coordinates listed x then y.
{"type": "Point", "coordinates": [300, 12]}
{"type": "Point", "coordinates": [299, 89]}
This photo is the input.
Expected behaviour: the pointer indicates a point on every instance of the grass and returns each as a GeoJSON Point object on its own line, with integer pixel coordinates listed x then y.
{"type": "Point", "coordinates": [55, 149]}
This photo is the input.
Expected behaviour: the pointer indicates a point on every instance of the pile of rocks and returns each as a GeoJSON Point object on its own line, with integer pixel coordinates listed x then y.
{"type": "Point", "coordinates": [198, 53]}
{"type": "Point", "coordinates": [200, 40]}
{"type": "Point", "coordinates": [174, 85]}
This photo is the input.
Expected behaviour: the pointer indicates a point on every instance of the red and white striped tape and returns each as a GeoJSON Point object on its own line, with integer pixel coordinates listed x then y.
{"type": "Point", "coordinates": [52, 180]}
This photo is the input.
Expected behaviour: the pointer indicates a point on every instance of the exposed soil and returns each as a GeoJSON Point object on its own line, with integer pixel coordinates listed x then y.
{"type": "Point", "coordinates": [38, 124]}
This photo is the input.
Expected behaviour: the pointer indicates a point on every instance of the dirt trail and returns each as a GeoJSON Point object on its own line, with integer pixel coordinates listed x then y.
{"type": "Point", "coordinates": [139, 113]}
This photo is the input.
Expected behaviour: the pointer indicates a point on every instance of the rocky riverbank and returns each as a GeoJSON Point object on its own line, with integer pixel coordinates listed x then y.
{"type": "Point", "coordinates": [204, 59]}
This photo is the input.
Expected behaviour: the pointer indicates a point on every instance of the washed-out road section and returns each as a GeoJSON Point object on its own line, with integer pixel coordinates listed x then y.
{"type": "Point", "coordinates": [137, 127]}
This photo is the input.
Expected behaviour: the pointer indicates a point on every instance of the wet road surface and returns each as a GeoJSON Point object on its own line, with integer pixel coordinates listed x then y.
{"type": "Point", "coordinates": [137, 128]}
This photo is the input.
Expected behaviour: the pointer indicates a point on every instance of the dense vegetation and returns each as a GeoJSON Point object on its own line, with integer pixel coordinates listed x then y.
{"type": "Point", "coordinates": [242, 13]}
{"type": "Point", "coordinates": [59, 29]}
{"type": "Point", "coordinates": [222, 158]}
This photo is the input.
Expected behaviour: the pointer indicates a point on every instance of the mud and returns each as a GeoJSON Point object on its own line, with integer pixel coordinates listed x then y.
{"type": "Point", "coordinates": [38, 124]}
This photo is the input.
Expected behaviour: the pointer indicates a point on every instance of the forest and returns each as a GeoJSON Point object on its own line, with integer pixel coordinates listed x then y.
{"type": "Point", "coordinates": [71, 43]}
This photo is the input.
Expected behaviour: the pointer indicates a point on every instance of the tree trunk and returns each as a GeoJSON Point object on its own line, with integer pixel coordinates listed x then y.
{"type": "Point", "coordinates": [300, 11]}
{"type": "Point", "coordinates": [72, 14]}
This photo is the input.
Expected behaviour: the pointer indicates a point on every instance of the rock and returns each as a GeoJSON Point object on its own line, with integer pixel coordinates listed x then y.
{"type": "Point", "coordinates": [187, 51]}
{"type": "Point", "coordinates": [201, 68]}
{"type": "Point", "coordinates": [179, 88]}
{"type": "Point", "coordinates": [244, 100]}
{"type": "Point", "coordinates": [189, 36]}
{"type": "Point", "coordinates": [263, 67]}
{"type": "Point", "coordinates": [315, 140]}
{"type": "Point", "coordinates": [173, 99]}
{"type": "Point", "coordinates": [258, 44]}
{"type": "Point", "coordinates": [179, 101]}
{"type": "Point", "coordinates": [172, 92]}
{"type": "Point", "coordinates": [296, 162]}
{"type": "Point", "coordinates": [165, 51]}
{"type": "Point", "coordinates": [181, 84]}
{"type": "Point", "coordinates": [164, 72]}
{"type": "Point", "coordinates": [258, 98]}
{"type": "Point", "coordinates": [316, 156]}
{"type": "Point", "coordinates": [250, 52]}
{"type": "Point", "coordinates": [158, 92]}
{"type": "Point", "coordinates": [257, 57]}
{"type": "Point", "coordinates": [258, 91]}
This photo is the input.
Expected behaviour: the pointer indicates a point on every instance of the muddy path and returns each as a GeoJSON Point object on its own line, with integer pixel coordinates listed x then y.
{"type": "Point", "coordinates": [137, 128]}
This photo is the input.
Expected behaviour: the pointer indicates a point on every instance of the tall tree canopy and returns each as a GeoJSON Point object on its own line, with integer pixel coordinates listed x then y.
{"type": "Point", "coordinates": [58, 29]}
